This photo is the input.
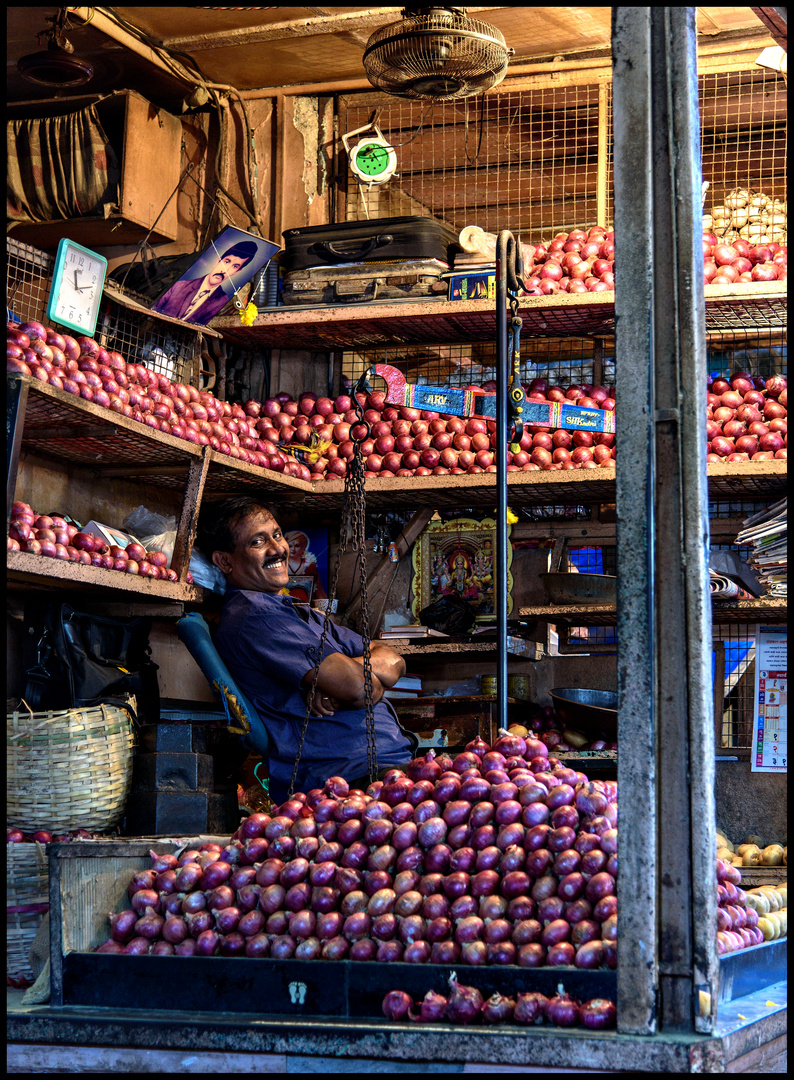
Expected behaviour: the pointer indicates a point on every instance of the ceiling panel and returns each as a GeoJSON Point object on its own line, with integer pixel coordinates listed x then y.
{"type": "Point", "coordinates": [282, 46]}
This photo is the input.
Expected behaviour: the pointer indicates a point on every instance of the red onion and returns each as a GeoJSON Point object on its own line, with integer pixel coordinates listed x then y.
{"type": "Point", "coordinates": [330, 851]}
{"type": "Point", "coordinates": [560, 955]}
{"type": "Point", "coordinates": [396, 1005]}
{"type": "Point", "coordinates": [215, 874]}
{"type": "Point", "coordinates": [282, 947]}
{"type": "Point", "coordinates": [562, 1011]}
{"type": "Point", "coordinates": [188, 877]}
{"type": "Point", "coordinates": [354, 901]}
{"type": "Point", "coordinates": [364, 950]}
{"type": "Point", "coordinates": [525, 932]}
{"type": "Point", "coordinates": [277, 924]}
{"type": "Point", "coordinates": [590, 955]}
{"type": "Point", "coordinates": [432, 1008]}
{"type": "Point", "coordinates": [137, 946]}
{"type": "Point", "coordinates": [145, 898]}
{"type": "Point", "coordinates": [187, 948]}
{"type": "Point", "coordinates": [530, 1008]}
{"type": "Point", "coordinates": [150, 924]}
{"type": "Point", "coordinates": [469, 929]}
{"type": "Point", "coordinates": [384, 927]}
{"type": "Point", "coordinates": [598, 1014]}
{"type": "Point", "coordinates": [521, 907]}
{"type": "Point", "coordinates": [585, 930]}
{"type": "Point", "coordinates": [474, 953]}
{"type": "Point", "coordinates": [536, 838]}
{"type": "Point", "coordinates": [424, 810]}
{"type": "Point", "coordinates": [175, 929]}
{"type": "Point", "coordinates": [122, 925]}
{"type": "Point", "coordinates": [335, 948]}
{"type": "Point", "coordinates": [145, 879]}
{"type": "Point", "coordinates": [419, 793]}
{"type": "Point", "coordinates": [163, 862]}
{"type": "Point", "coordinates": [251, 923]}
{"type": "Point", "coordinates": [550, 908]}
{"type": "Point", "coordinates": [465, 1003]}
{"type": "Point", "coordinates": [227, 920]}
{"type": "Point", "coordinates": [199, 921]}
{"type": "Point", "coordinates": [531, 955]}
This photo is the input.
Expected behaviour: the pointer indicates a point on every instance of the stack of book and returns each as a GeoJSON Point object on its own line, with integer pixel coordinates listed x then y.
{"type": "Point", "coordinates": [409, 686]}
{"type": "Point", "coordinates": [766, 531]}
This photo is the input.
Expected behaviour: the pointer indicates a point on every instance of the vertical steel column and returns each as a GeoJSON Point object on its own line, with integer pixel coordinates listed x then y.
{"type": "Point", "coordinates": [505, 252]}
{"type": "Point", "coordinates": [667, 954]}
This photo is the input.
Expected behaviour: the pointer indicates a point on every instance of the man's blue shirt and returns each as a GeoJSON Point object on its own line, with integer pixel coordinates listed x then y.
{"type": "Point", "coordinates": [268, 648]}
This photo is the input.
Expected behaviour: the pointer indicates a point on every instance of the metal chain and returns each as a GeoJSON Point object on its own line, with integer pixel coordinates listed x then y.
{"type": "Point", "coordinates": [353, 528]}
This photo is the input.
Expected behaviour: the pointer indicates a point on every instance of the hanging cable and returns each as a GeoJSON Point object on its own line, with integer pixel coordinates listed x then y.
{"type": "Point", "coordinates": [473, 160]}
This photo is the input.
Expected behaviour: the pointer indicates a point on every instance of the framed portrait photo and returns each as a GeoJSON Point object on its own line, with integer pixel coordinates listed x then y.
{"type": "Point", "coordinates": [301, 588]}
{"type": "Point", "coordinates": [457, 558]}
{"type": "Point", "coordinates": [226, 265]}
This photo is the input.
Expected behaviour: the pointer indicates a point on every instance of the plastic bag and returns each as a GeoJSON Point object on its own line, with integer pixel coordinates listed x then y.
{"type": "Point", "coordinates": [158, 533]}
{"type": "Point", "coordinates": [449, 614]}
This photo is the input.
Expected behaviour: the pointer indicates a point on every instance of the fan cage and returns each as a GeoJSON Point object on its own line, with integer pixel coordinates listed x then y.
{"type": "Point", "coordinates": [436, 57]}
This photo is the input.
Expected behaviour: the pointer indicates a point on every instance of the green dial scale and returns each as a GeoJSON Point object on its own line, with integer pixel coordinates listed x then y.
{"type": "Point", "coordinates": [372, 159]}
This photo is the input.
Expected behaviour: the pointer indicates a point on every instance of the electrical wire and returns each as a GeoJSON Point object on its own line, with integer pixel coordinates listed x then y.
{"type": "Point", "coordinates": [473, 160]}
{"type": "Point", "coordinates": [168, 56]}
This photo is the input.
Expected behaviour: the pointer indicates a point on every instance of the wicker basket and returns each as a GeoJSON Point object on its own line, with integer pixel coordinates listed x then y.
{"type": "Point", "coordinates": [69, 769]}
{"type": "Point", "coordinates": [27, 901]}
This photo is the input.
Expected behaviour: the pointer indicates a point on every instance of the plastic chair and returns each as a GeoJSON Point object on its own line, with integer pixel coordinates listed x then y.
{"type": "Point", "coordinates": [243, 718]}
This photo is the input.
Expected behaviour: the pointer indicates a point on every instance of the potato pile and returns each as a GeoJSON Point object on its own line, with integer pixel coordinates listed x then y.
{"type": "Point", "coordinates": [751, 215]}
{"type": "Point", "coordinates": [770, 902]}
{"type": "Point", "coordinates": [753, 851]}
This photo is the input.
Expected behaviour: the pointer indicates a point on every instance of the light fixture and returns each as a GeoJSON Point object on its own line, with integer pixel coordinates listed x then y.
{"type": "Point", "coordinates": [774, 58]}
{"type": "Point", "coordinates": [56, 65]}
{"type": "Point", "coordinates": [436, 54]}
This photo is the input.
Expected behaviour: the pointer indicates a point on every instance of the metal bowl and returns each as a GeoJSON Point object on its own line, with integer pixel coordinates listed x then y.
{"type": "Point", "coordinates": [593, 712]}
{"type": "Point", "coordinates": [580, 588]}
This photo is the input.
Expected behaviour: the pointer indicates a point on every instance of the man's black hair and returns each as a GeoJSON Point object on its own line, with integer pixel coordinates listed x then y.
{"type": "Point", "coordinates": [246, 249]}
{"type": "Point", "coordinates": [218, 521]}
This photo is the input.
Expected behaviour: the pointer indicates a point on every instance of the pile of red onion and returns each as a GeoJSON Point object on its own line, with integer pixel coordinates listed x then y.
{"type": "Point", "coordinates": [465, 1005]}
{"type": "Point", "coordinates": [418, 442]}
{"type": "Point", "coordinates": [737, 924]}
{"type": "Point", "coordinates": [44, 836]}
{"type": "Point", "coordinates": [739, 261]}
{"type": "Point", "coordinates": [500, 855]}
{"type": "Point", "coordinates": [750, 424]}
{"type": "Point", "coordinates": [747, 418]}
{"type": "Point", "coordinates": [555, 734]}
{"type": "Point", "coordinates": [584, 261]}
{"type": "Point", "coordinates": [53, 537]}
{"type": "Point", "coordinates": [82, 367]}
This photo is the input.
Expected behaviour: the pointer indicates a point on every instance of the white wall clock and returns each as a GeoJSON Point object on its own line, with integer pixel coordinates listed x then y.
{"type": "Point", "coordinates": [77, 282]}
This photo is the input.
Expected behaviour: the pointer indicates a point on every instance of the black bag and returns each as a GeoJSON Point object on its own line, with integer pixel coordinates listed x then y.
{"type": "Point", "coordinates": [75, 660]}
{"type": "Point", "coordinates": [449, 614]}
{"type": "Point", "coordinates": [379, 240]}
{"type": "Point", "coordinates": [152, 274]}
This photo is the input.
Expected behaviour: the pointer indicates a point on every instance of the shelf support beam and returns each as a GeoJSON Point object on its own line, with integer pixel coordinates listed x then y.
{"type": "Point", "coordinates": [667, 968]}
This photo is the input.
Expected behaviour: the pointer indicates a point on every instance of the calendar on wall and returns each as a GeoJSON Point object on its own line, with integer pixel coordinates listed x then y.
{"type": "Point", "coordinates": [770, 722]}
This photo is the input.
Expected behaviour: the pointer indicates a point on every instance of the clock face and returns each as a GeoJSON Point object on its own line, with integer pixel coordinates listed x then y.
{"type": "Point", "coordinates": [77, 287]}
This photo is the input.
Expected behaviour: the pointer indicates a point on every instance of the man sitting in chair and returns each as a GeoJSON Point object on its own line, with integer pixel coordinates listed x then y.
{"type": "Point", "coordinates": [270, 646]}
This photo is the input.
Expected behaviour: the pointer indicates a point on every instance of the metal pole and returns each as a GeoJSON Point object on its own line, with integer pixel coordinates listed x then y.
{"type": "Point", "coordinates": [667, 967]}
{"type": "Point", "coordinates": [505, 251]}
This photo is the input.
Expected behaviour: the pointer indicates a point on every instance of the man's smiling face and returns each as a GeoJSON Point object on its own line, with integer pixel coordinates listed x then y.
{"type": "Point", "coordinates": [259, 561]}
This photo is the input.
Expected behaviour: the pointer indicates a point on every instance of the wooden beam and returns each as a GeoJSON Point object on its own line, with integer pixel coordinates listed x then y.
{"type": "Point", "coordinates": [380, 580]}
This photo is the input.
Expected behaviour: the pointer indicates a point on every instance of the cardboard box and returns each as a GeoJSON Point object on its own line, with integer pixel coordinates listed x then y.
{"type": "Point", "coordinates": [473, 286]}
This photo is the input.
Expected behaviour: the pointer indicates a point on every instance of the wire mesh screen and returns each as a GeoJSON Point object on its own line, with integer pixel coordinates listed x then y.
{"type": "Point", "coordinates": [140, 337]}
{"type": "Point", "coordinates": [743, 142]}
{"type": "Point", "coordinates": [560, 361]}
{"type": "Point", "coordinates": [524, 160]}
{"type": "Point", "coordinates": [734, 673]}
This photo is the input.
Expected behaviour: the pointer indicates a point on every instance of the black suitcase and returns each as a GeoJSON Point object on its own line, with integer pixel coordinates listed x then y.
{"type": "Point", "coordinates": [380, 240]}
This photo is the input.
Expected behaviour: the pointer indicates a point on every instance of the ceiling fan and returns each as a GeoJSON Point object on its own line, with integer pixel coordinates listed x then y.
{"type": "Point", "coordinates": [436, 54]}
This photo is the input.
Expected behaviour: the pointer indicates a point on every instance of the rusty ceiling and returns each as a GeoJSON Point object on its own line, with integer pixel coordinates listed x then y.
{"type": "Point", "coordinates": [271, 48]}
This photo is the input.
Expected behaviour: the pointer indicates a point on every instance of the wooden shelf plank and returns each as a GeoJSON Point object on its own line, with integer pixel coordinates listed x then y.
{"type": "Point", "coordinates": [761, 610]}
{"type": "Point", "coordinates": [737, 480]}
{"type": "Point", "coordinates": [358, 326]}
{"type": "Point", "coordinates": [463, 650]}
{"type": "Point", "coordinates": [62, 426]}
{"type": "Point", "coordinates": [25, 569]}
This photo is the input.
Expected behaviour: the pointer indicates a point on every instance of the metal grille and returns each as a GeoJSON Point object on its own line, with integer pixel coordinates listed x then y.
{"type": "Point", "coordinates": [734, 648]}
{"type": "Point", "coordinates": [743, 140]}
{"type": "Point", "coordinates": [561, 361]}
{"type": "Point", "coordinates": [140, 337]}
{"type": "Point", "coordinates": [525, 160]}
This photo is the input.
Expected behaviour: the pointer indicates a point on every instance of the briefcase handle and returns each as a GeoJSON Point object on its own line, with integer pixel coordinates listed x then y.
{"type": "Point", "coordinates": [327, 248]}
{"type": "Point", "coordinates": [356, 298]}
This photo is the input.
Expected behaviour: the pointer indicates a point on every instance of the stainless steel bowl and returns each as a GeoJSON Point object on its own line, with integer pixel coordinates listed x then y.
{"type": "Point", "coordinates": [580, 588]}
{"type": "Point", "coordinates": [593, 712]}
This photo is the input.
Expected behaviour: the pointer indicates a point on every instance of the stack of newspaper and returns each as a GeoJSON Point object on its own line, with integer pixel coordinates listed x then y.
{"type": "Point", "coordinates": [766, 531]}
